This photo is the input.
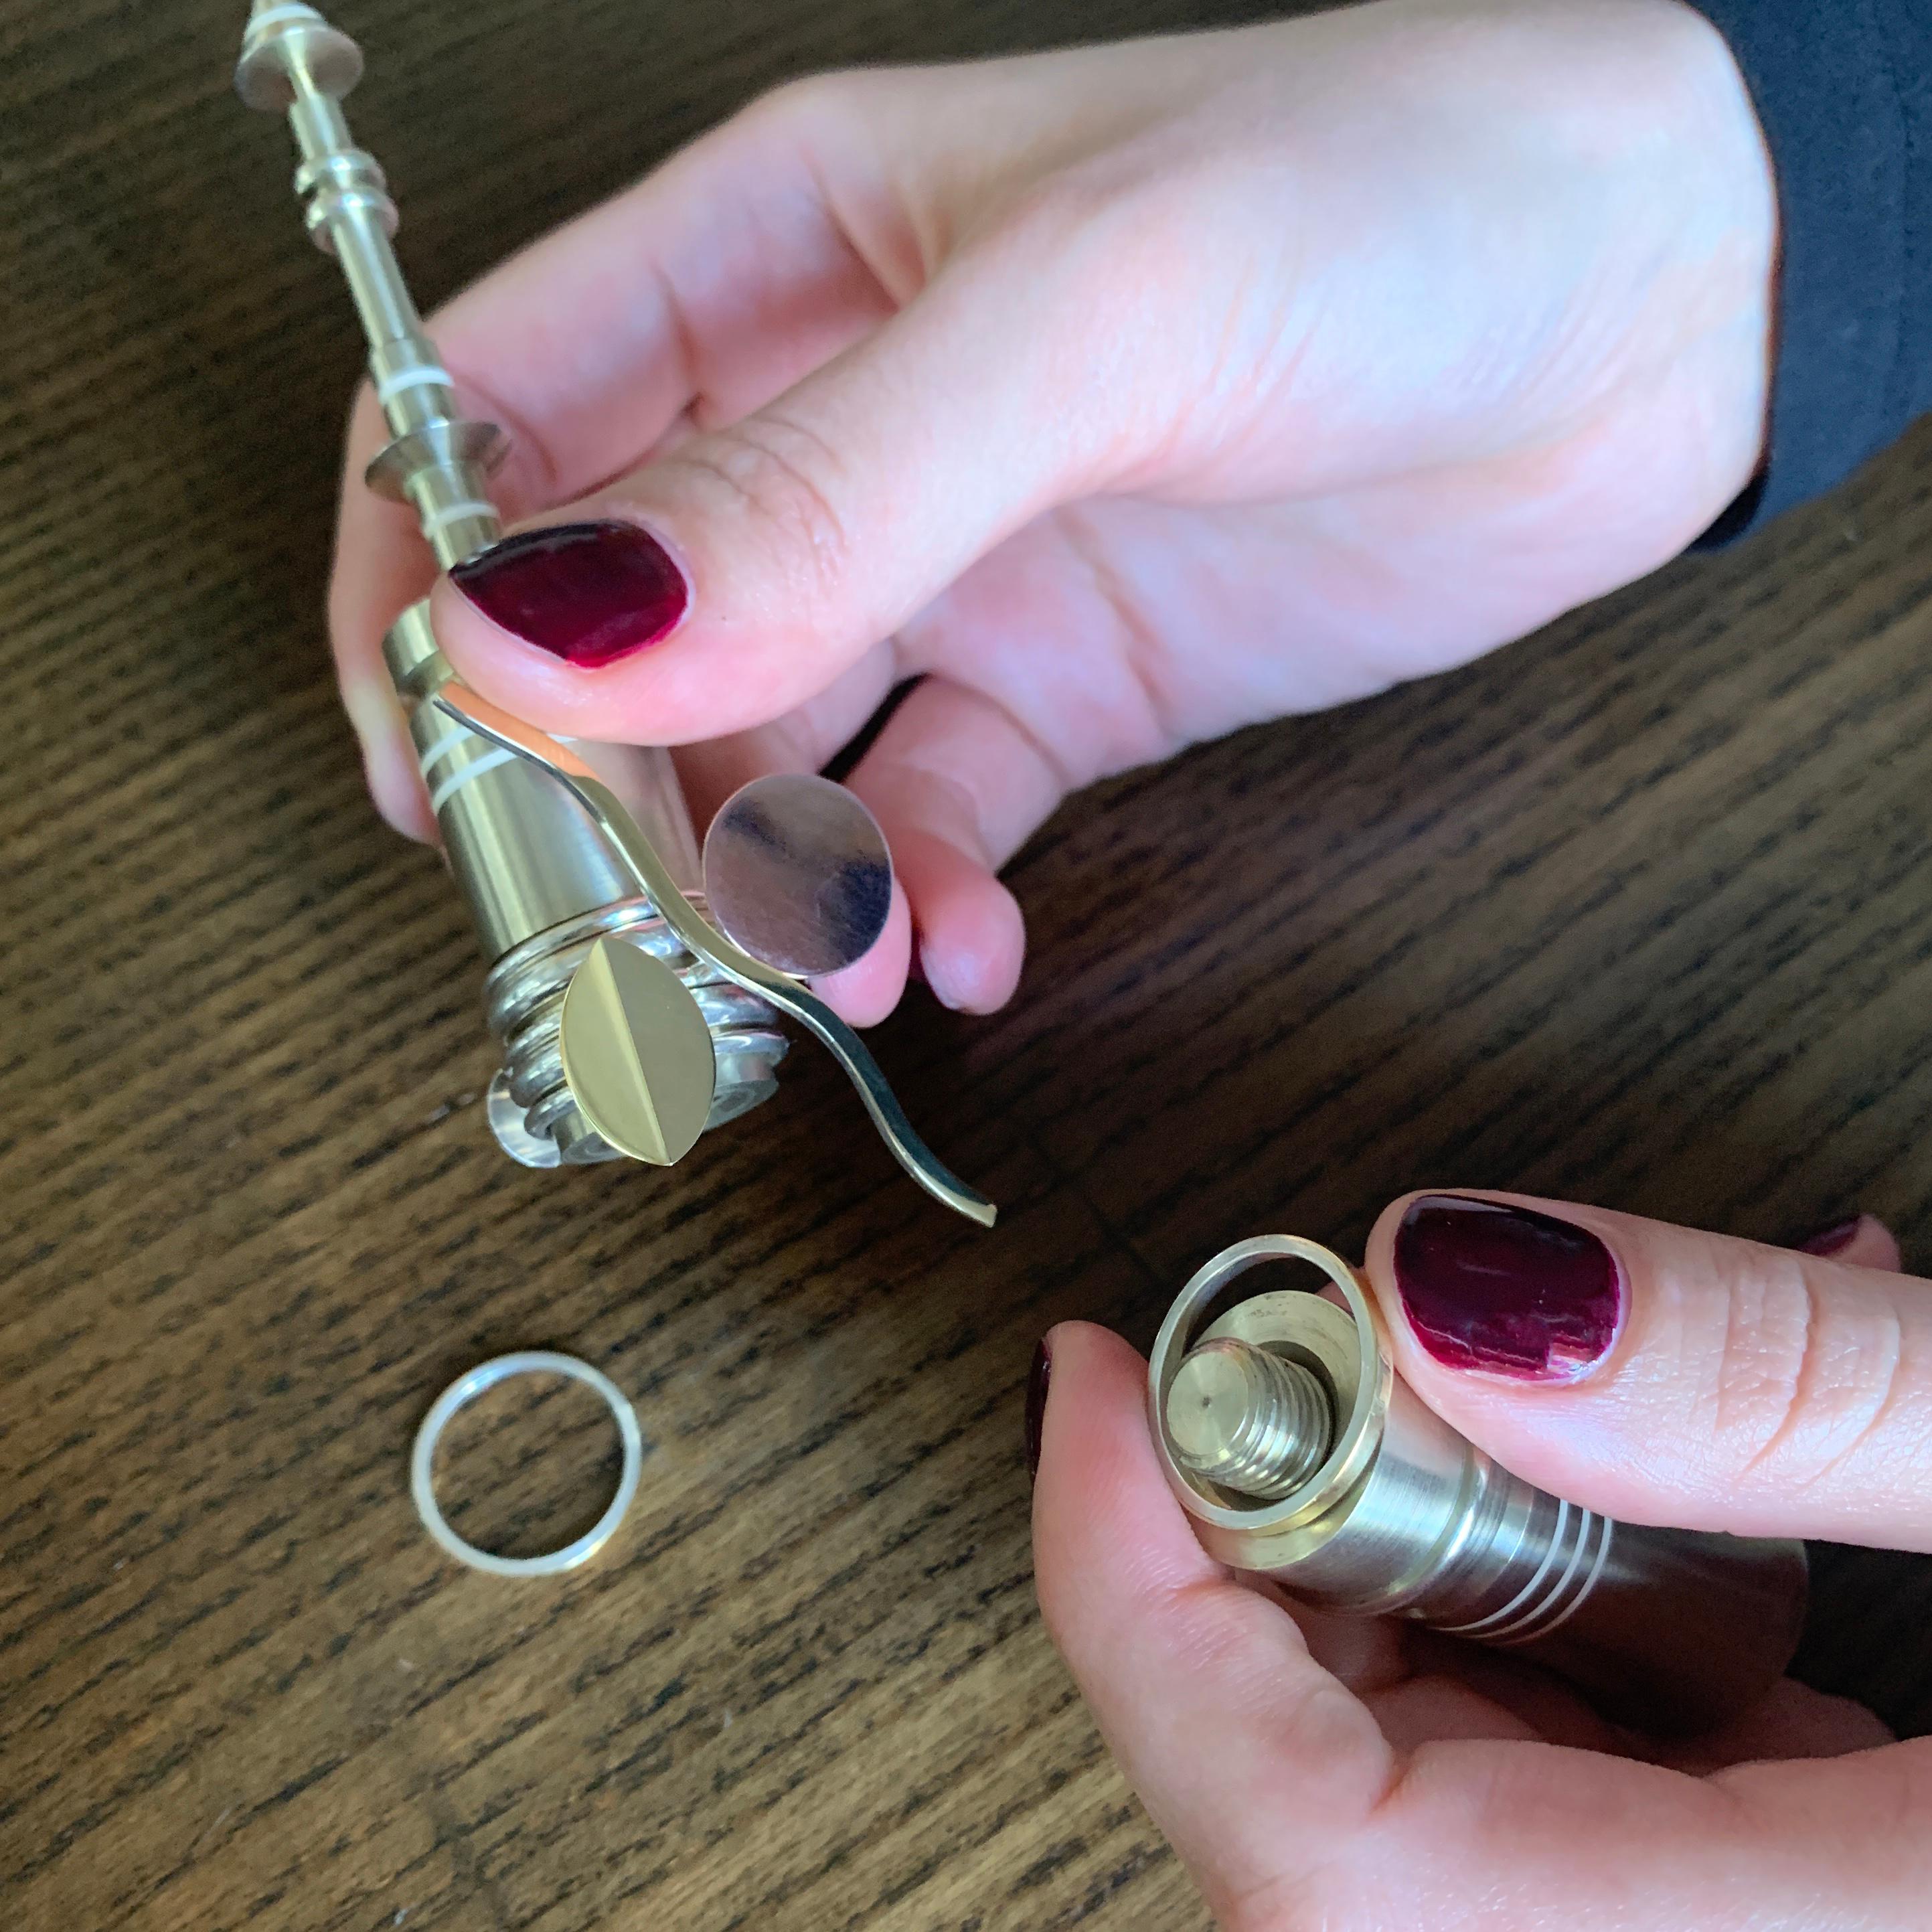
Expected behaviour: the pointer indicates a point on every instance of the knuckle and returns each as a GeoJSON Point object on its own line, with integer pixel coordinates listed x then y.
{"type": "Point", "coordinates": [1806, 1375]}
{"type": "Point", "coordinates": [1760, 1362]}
{"type": "Point", "coordinates": [785, 479]}
{"type": "Point", "coordinates": [1134, 196]}
{"type": "Point", "coordinates": [795, 108]}
{"type": "Point", "coordinates": [1071, 222]}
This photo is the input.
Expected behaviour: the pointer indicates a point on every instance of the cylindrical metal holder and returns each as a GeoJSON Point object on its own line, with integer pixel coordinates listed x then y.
{"type": "Point", "coordinates": [631, 1021]}
{"type": "Point", "coordinates": [541, 884]}
{"type": "Point", "coordinates": [1301, 1455]}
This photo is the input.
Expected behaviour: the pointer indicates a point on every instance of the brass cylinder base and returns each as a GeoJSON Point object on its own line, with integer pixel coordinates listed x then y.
{"type": "Point", "coordinates": [1674, 1631]}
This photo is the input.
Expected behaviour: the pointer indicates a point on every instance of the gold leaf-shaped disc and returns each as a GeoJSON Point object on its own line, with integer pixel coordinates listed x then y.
{"type": "Point", "coordinates": [637, 1054]}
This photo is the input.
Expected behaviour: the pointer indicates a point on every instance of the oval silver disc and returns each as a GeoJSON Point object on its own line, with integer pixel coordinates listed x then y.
{"type": "Point", "coordinates": [797, 873]}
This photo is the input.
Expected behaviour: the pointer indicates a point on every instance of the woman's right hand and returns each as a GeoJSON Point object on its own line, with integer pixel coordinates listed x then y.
{"type": "Point", "coordinates": [1125, 395]}
{"type": "Point", "coordinates": [1361, 1775]}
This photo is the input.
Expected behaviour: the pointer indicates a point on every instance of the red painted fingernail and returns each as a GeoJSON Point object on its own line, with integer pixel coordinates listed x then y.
{"type": "Point", "coordinates": [1507, 1289]}
{"type": "Point", "coordinates": [1834, 1240]}
{"type": "Point", "coordinates": [588, 593]}
{"type": "Point", "coordinates": [1036, 1404]}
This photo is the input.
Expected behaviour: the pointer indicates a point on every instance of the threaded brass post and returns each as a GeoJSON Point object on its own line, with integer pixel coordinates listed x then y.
{"type": "Point", "coordinates": [1248, 1420]}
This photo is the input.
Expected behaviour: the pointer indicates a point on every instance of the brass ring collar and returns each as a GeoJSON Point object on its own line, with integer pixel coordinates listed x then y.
{"type": "Point", "coordinates": [1357, 1369]}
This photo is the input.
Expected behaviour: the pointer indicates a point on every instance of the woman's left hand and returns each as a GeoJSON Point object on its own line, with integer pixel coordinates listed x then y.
{"type": "Point", "coordinates": [1351, 1775]}
{"type": "Point", "coordinates": [1116, 398]}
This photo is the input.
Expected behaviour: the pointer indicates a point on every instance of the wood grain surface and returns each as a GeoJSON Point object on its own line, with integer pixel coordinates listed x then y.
{"type": "Point", "coordinates": [1635, 912]}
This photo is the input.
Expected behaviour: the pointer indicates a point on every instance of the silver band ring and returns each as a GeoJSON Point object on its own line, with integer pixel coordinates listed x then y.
{"type": "Point", "coordinates": [466, 1389]}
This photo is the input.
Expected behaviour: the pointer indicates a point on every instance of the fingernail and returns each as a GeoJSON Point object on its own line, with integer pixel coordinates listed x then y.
{"type": "Point", "coordinates": [1036, 1405]}
{"type": "Point", "coordinates": [1834, 1240]}
{"type": "Point", "coordinates": [1506, 1289]}
{"type": "Point", "coordinates": [588, 593]}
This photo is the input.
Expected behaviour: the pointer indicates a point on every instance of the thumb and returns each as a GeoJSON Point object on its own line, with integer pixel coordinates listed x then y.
{"type": "Point", "coordinates": [1256, 1763]}
{"type": "Point", "coordinates": [737, 575]}
{"type": "Point", "coordinates": [1666, 1375]}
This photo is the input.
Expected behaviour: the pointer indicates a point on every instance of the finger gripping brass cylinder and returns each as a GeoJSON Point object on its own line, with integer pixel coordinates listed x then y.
{"type": "Point", "coordinates": [1301, 1456]}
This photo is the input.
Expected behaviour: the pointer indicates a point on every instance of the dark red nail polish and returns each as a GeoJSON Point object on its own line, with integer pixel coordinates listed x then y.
{"type": "Point", "coordinates": [588, 593]}
{"type": "Point", "coordinates": [1834, 1240]}
{"type": "Point", "coordinates": [1036, 1405]}
{"type": "Point", "coordinates": [1507, 1289]}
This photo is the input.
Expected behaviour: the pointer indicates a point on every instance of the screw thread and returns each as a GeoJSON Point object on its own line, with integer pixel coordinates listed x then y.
{"type": "Point", "coordinates": [1248, 1420]}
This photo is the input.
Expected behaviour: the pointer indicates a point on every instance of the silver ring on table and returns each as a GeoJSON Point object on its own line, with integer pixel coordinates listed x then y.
{"type": "Point", "coordinates": [466, 1389]}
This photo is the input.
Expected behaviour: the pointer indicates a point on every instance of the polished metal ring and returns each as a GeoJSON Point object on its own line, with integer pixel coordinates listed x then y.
{"type": "Point", "coordinates": [466, 1389]}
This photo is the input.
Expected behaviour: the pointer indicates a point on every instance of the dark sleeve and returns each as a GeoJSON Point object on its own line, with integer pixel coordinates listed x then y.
{"type": "Point", "coordinates": [1844, 92]}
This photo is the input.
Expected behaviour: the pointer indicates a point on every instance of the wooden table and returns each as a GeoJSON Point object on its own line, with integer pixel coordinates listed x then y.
{"type": "Point", "coordinates": [1635, 912]}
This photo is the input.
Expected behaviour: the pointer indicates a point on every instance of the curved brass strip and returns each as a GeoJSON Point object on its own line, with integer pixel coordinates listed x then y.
{"type": "Point", "coordinates": [703, 939]}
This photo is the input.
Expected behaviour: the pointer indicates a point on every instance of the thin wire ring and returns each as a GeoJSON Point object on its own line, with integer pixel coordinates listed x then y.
{"type": "Point", "coordinates": [466, 1389]}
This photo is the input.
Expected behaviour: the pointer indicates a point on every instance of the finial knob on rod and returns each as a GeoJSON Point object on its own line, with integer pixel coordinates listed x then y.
{"type": "Point", "coordinates": [284, 37]}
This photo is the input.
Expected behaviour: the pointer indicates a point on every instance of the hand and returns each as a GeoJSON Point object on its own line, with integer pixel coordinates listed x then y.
{"type": "Point", "coordinates": [1353, 1775]}
{"type": "Point", "coordinates": [1124, 396]}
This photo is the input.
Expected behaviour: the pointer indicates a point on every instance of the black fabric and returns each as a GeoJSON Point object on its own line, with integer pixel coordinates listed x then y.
{"type": "Point", "coordinates": [1843, 91]}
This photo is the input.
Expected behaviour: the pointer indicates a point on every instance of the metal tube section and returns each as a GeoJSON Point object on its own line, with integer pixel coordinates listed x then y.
{"type": "Point", "coordinates": [1674, 1631]}
{"type": "Point", "coordinates": [369, 267]}
{"type": "Point", "coordinates": [524, 850]}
